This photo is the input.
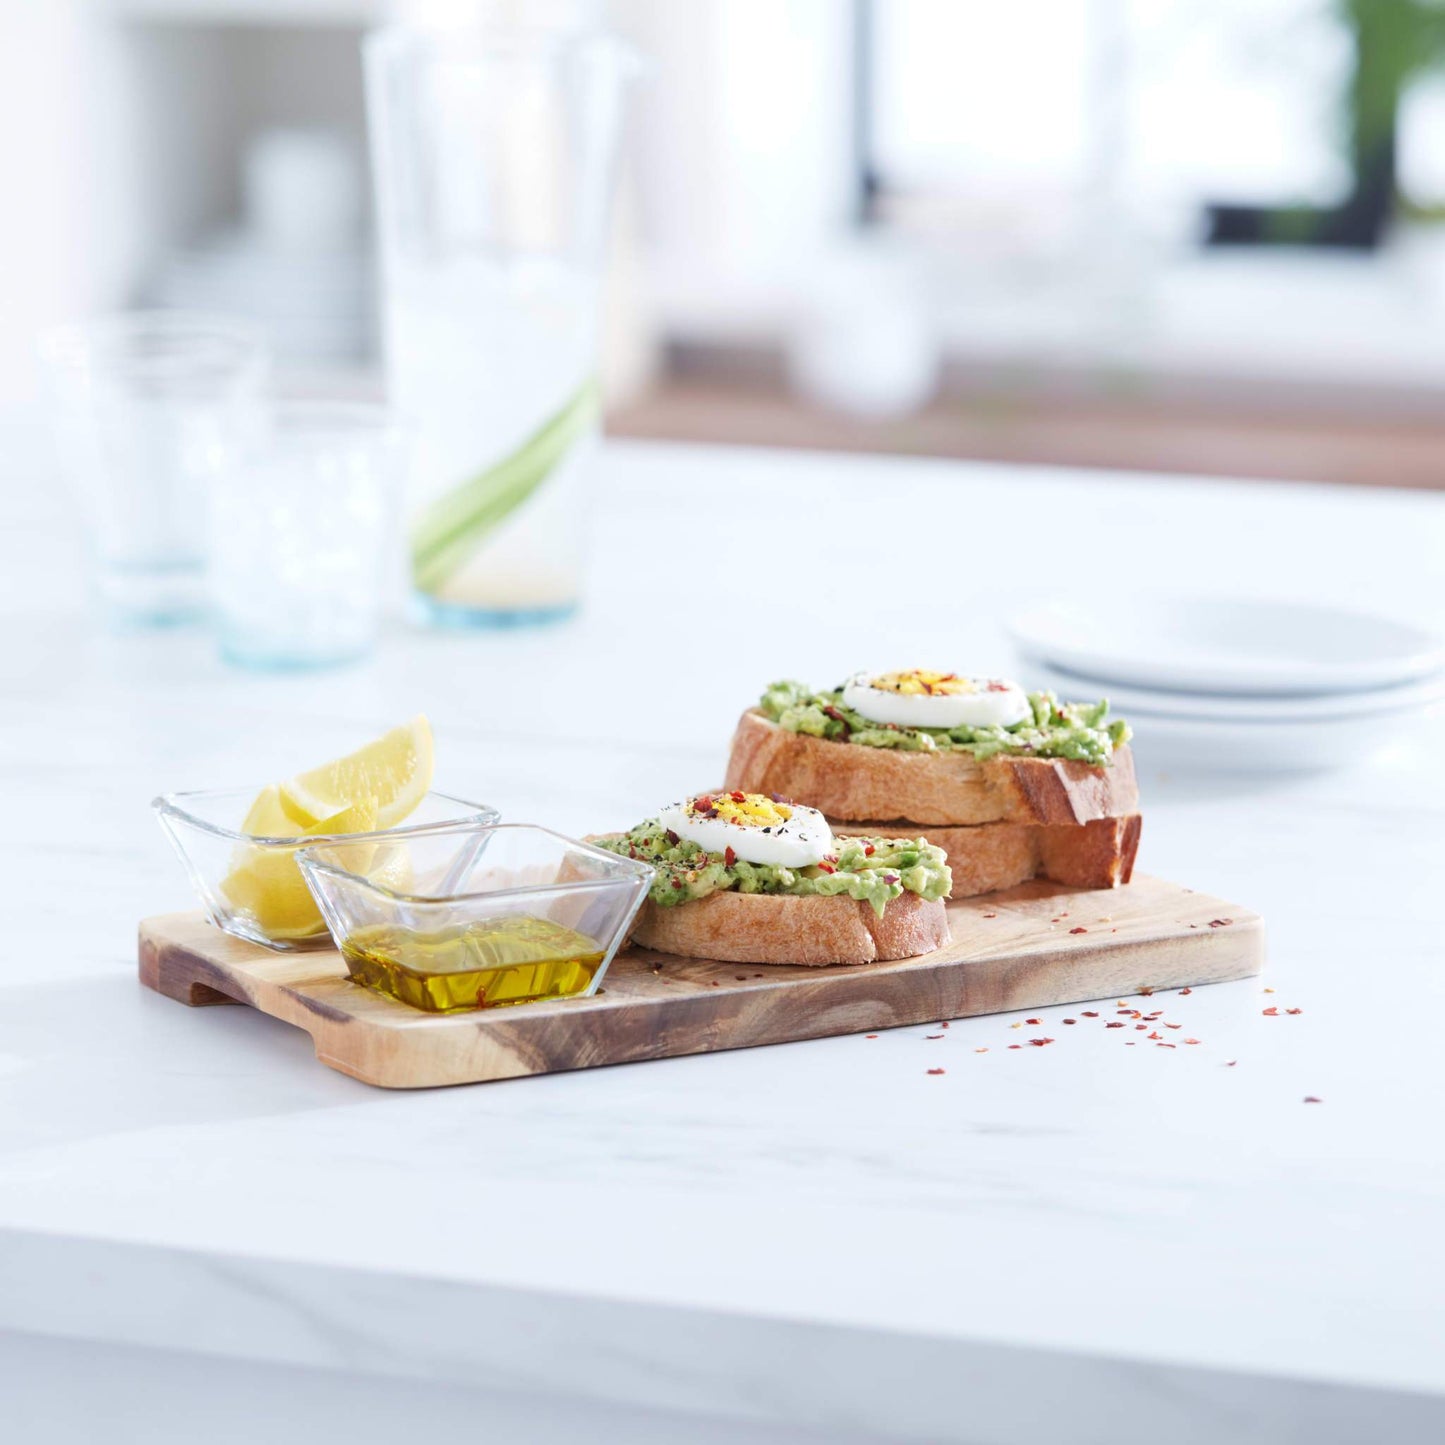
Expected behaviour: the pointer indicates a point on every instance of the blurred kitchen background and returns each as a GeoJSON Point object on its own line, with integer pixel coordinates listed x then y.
{"type": "Point", "coordinates": [1200, 236]}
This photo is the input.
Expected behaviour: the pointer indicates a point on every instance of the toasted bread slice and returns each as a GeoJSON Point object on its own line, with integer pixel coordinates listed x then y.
{"type": "Point", "coordinates": [776, 928]}
{"type": "Point", "coordinates": [989, 856]}
{"type": "Point", "coordinates": [851, 781]}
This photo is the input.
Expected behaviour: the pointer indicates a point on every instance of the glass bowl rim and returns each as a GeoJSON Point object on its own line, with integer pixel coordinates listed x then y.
{"type": "Point", "coordinates": [172, 805]}
{"type": "Point", "coordinates": [642, 873]}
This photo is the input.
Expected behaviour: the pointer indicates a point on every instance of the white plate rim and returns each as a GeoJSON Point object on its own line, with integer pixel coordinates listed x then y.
{"type": "Point", "coordinates": [1246, 677]}
{"type": "Point", "coordinates": [1127, 702]}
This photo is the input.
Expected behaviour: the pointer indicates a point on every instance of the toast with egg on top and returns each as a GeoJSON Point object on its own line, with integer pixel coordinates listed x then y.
{"type": "Point", "coordinates": [746, 878]}
{"type": "Point", "coordinates": [1011, 785]}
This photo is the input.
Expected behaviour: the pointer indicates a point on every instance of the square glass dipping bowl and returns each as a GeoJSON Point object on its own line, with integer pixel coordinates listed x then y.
{"type": "Point", "coordinates": [467, 917]}
{"type": "Point", "coordinates": [251, 885]}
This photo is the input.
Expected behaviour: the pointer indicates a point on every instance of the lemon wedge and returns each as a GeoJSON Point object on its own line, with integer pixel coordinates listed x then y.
{"type": "Point", "coordinates": [395, 770]}
{"type": "Point", "coordinates": [267, 818]}
{"type": "Point", "coordinates": [266, 884]}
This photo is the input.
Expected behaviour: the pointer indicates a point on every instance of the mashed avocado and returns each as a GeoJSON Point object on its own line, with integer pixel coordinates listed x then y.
{"type": "Point", "coordinates": [872, 870]}
{"type": "Point", "coordinates": [1056, 730]}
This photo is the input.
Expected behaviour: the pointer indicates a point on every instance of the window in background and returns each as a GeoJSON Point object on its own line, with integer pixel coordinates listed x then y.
{"type": "Point", "coordinates": [1031, 118]}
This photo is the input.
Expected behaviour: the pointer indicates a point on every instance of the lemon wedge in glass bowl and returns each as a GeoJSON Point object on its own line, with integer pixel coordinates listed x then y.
{"type": "Point", "coordinates": [376, 787]}
{"type": "Point", "coordinates": [266, 884]}
{"type": "Point", "coordinates": [395, 771]}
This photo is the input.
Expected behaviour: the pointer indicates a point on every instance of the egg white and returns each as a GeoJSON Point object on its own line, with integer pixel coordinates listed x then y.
{"type": "Point", "coordinates": [800, 841]}
{"type": "Point", "coordinates": [986, 707]}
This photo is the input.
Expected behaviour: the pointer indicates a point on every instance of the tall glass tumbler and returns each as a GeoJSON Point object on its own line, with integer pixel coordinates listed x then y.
{"type": "Point", "coordinates": [148, 409]}
{"type": "Point", "coordinates": [493, 154]}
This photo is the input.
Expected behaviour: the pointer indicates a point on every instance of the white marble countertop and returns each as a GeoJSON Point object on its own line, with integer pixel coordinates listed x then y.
{"type": "Point", "coordinates": [1148, 1244]}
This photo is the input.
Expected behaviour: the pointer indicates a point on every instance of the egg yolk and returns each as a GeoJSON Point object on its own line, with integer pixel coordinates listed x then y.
{"type": "Point", "coordinates": [747, 810]}
{"type": "Point", "coordinates": [918, 683]}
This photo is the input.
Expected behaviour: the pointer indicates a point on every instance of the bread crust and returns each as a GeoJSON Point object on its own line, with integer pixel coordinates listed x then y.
{"type": "Point", "coordinates": [988, 856]}
{"type": "Point", "coordinates": [776, 928]}
{"type": "Point", "coordinates": [852, 782]}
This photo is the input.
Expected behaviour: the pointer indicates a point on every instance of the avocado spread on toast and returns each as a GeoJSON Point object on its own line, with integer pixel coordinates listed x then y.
{"type": "Point", "coordinates": [1076, 731]}
{"type": "Point", "coordinates": [872, 870]}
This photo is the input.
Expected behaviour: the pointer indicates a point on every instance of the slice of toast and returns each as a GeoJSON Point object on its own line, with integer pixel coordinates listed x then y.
{"type": "Point", "coordinates": [776, 928]}
{"type": "Point", "coordinates": [850, 781]}
{"type": "Point", "coordinates": [989, 856]}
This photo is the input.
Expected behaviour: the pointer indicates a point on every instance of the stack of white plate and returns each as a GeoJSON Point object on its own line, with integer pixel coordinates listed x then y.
{"type": "Point", "coordinates": [1222, 684]}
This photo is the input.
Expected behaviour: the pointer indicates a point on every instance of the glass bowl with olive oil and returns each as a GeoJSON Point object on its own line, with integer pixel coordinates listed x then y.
{"type": "Point", "coordinates": [469, 916]}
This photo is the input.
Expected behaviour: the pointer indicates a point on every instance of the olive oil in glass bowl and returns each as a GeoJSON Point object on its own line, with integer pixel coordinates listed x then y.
{"type": "Point", "coordinates": [466, 917]}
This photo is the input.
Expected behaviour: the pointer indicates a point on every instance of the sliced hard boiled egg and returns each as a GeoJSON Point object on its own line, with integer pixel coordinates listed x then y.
{"type": "Point", "coordinates": [919, 699]}
{"type": "Point", "coordinates": [757, 829]}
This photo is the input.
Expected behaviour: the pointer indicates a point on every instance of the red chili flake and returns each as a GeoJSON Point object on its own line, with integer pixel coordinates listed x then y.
{"type": "Point", "coordinates": [933, 1036]}
{"type": "Point", "coordinates": [740, 978]}
{"type": "Point", "coordinates": [1129, 1043]}
{"type": "Point", "coordinates": [1311, 1099]}
{"type": "Point", "coordinates": [1173, 1026]}
{"type": "Point", "coordinates": [990, 915]}
{"type": "Point", "coordinates": [981, 1051]}
{"type": "Point", "coordinates": [1113, 1026]}
{"type": "Point", "coordinates": [944, 1024]}
{"type": "Point", "coordinates": [671, 837]}
{"type": "Point", "coordinates": [1153, 1035]}
{"type": "Point", "coordinates": [729, 857]}
{"type": "Point", "coordinates": [1138, 1027]}
{"type": "Point", "coordinates": [1185, 992]}
{"type": "Point", "coordinates": [869, 851]}
{"type": "Point", "coordinates": [1015, 1046]}
{"type": "Point", "coordinates": [1078, 930]}
{"type": "Point", "coordinates": [1091, 1013]}
{"type": "Point", "coordinates": [1033, 1021]}
{"type": "Point", "coordinates": [1069, 1021]}
{"type": "Point", "coordinates": [1220, 922]}
{"type": "Point", "coordinates": [938, 1071]}
{"type": "Point", "coordinates": [702, 804]}
{"type": "Point", "coordinates": [1271, 1012]}
{"type": "Point", "coordinates": [1294, 1010]}
{"type": "Point", "coordinates": [1039, 1043]}
{"type": "Point", "coordinates": [737, 796]}
{"type": "Point", "coordinates": [870, 1036]}
{"type": "Point", "coordinates": [1055, 920]}
{"type": "Point", "coordinates": [712, 983]}
{"type": "Point", "coordinates": [1145, 992]}
{"type": "Point", "coordinates": [1166, 1046]}
{"type": "Point", "coordinates": [1191, 1041]}
{"type": "Point", "coordinates": [827, 867]}
{"type": "Point", "coordinates": [1230, 1063]}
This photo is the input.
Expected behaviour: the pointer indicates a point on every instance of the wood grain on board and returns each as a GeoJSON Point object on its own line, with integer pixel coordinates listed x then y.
{"type": "Point", "coordinates": [1030, 947]}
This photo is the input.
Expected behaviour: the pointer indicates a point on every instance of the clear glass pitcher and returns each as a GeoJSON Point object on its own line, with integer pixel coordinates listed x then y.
{"type": "Point", "coordinates": [493, 152]}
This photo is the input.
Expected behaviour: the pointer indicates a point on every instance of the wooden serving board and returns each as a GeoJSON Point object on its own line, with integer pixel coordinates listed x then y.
{"type": "Point", "coordinates": [1012, 950]}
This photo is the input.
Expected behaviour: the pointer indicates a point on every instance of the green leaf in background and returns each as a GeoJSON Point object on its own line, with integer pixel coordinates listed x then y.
{"type": "Point", "coordinates": [450, 529]}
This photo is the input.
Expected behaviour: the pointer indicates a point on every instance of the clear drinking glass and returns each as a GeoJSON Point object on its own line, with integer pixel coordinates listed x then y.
{"type": "Point", "coordinates": [148, 409]}
{"type": "Point", "coordinates": [303, 531]}
{"type": "Point", "coordinates": [493, 154]}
